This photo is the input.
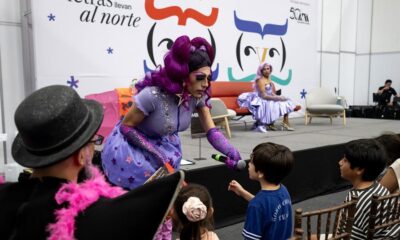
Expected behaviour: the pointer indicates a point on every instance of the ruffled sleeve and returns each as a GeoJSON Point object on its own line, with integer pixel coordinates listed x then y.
{"type": "Point", "coordinates": [145, 100]}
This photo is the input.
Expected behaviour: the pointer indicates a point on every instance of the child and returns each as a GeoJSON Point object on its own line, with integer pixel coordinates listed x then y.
{"type": "Point", "coordinates": [391, 143]}
{"type": "Point", "coordinates": [269, 213]}
{"type": "Point", "coordinates": [363, 161]}
{"type": "Point", "coordinates": [193, 213]}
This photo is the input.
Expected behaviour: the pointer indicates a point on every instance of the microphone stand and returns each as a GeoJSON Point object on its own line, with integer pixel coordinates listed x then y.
{"type": "Point", "coordinates": [200, 157]}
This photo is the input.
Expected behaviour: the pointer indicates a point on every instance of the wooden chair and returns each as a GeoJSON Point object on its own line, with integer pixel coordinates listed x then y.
{"type": "Point", "coordinates": [384, 216]}
{"type": "Point", "coordinates": [343, 220]}
{"type": "Point", "coordinates": [298, 234]}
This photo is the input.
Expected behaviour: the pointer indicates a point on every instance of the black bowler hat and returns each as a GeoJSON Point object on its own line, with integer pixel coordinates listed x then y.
{"type": "Point", "coordinates": [53, 123]}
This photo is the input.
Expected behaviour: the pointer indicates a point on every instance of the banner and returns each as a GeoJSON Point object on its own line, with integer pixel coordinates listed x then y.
{"type": "Point", "coordinates": [98, 45]}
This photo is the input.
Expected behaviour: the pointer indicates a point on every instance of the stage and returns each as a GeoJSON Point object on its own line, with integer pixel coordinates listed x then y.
{"type": "Point", "coordinates": [317, 149]}
{"type": "Point", "coordinates": [317, 134]}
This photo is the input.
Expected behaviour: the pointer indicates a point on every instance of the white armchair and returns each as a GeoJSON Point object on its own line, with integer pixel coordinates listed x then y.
{"type": "Point", "coordinates": [322, 103]}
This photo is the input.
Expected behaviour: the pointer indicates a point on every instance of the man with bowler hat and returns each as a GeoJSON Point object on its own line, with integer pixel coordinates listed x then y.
{"type": "Point", "coordinates": [57, 134]}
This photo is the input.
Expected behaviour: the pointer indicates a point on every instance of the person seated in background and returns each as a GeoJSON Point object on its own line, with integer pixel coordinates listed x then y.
{"type": "Point", "coordinates": [57, 133]}
{"type": "Point", "coordinates": [269, 213]}
{"type": "Point", "coordinates": [363, 161]}
{"type": "Point", "coordinates": [193, 213]}
{"type": "Point", "coordinates": [265, 104]}
{"type": "Point", "coordinates": [385, 94]}
{"type": "Point", "coordinates": [391, 178]}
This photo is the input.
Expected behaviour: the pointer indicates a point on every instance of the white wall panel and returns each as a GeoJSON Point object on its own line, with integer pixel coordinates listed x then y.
{"type": "Point", "coordinates": [331, 25]}
{"type": "Point", "coordinates": [361, 86]}
{"type": "Point", "coordinates": [318, 67]}
{"type": "Point", "coordinates": [10, 11]}
{"type": "Point", "coordinates": [11, 69]}
{"type": "Point", "coordinates": [364, 26]}
{"type": "Point", "coordinates": [385, 26]}
{"type": "Point", "coordinates": [319, 23]}
{"type": "Point", "coordinates": [2, 144]}
{"type": "Point", "coordinates": [348, 29]}
{"type": "Point", "coordinates": [384, 66]}
{"type": "Point", "coordinates": [330, 71]}
{"type": "Point", "coordinates": [346, 79]}
{"type": "Point", "coordinates": [12, 76]}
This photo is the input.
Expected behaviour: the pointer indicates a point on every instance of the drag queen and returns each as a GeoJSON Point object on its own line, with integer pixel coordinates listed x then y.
{"type": "Point", "coordinates": [265, 105]}
{"type": "Point", "coordinates": [147, 138]}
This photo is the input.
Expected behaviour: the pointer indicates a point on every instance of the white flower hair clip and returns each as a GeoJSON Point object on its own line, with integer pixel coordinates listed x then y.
{"type": "Point", "coordinates": [194, 209]}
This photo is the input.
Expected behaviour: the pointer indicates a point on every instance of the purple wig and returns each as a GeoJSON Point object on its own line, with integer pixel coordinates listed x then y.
{"type": "Point", "coordinates": [177, 62]}
{"type": "Point", "coordinates": [259, 70]}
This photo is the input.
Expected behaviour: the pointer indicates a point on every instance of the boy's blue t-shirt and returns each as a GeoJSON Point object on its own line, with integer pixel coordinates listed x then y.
{"type": "Point", "coordinates": [269, 215]}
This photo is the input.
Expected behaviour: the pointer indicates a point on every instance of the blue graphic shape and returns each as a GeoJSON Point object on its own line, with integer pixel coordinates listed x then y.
{"type": "Point", "coordinates": [249, 78]}
{"type": "Point", "coordinates": [110, 50]}
{"type": "Point", "coordinates": [73, 83]}
{"type": "Point", "coordinates": [255, 27]}
{"type": "Point", "coordinates": [146, 68]}
{"type": "Point", "coordinates": [303, 93]}
{"type": "Point", "coordinates": [51, 17]}
{"type": "Point", "coordinates": [215, 73]}
{"type": "Point", "coordinates": [214, 76]}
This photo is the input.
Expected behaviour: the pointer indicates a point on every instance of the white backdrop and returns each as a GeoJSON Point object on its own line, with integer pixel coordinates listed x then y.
{"type": "Point", "coordinates": [100, 46]}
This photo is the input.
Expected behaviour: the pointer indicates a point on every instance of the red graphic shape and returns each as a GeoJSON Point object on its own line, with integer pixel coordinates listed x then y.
{"type": "Point", "coordinates": [183, 16]}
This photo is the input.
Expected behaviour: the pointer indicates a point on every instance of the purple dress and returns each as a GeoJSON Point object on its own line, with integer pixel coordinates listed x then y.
{"type": "Point", "coordinates": [265, 111]}
{"type": "Point", "coordinates": [130, 166]}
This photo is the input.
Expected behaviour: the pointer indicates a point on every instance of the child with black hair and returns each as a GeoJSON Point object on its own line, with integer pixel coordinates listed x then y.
{"type": "Point", "coordinates": [193, 213]}
{"type": "Point", "coordinates": [391, 178]}
{"type": "Point", "coordinates": [363, 161]}
{"type": "Point", "coordinates": [269, 213]}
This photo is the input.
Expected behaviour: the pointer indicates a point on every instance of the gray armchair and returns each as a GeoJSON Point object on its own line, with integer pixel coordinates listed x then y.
{"type": "Point", "coordinates": [220, 114]}
{"type": "Point", "coordinates": [322, 103]}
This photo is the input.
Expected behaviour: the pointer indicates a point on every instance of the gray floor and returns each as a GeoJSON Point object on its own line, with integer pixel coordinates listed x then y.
{"type": "Point", "coordinates": [319, 133]}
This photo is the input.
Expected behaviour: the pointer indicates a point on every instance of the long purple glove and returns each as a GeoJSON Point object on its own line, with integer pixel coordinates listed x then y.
{"type": "Point", "coordinates": [219, 142]}
{"type": "Point", "coordinates": [135, 138]}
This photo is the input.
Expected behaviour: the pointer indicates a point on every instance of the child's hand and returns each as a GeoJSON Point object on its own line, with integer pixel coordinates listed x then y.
{"type": "Point", "coordinates": [235, 187]}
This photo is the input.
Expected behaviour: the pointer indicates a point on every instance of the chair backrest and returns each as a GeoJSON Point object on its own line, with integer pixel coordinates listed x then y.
{"type": "Point", "coordinates": [384, 217]}
{"type": "Point", "coordinates": [196, 129]}
{"type": "Point", "coordinates": [110, 103]}
{"type": "Point", "coordinates": [229, 91]}
{"type": "Point", "coordinates": [376, 97]}
{"type": "Point", "coordinates": [320, 96]}
{"type": "Point", "coordinates": [340, 228]}
{"type": "Point", "coordinates": [218, 108]}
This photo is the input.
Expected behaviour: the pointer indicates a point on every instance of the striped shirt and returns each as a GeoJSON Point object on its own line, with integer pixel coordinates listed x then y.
{"type": "Point", "coordinates": [363, 208]}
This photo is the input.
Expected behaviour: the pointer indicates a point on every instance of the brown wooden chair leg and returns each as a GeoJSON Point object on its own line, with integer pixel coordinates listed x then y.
{"type": "Point", "coordinates": [344, 117]}
{"type": "Point", "coordinates": [305, 118]}
{"type": "Point", "coordinates": [227, 128]}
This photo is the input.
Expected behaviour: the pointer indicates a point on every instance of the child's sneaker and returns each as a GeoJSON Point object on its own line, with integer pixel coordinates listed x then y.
{"type": "Point", "coordinates": [261, 128]}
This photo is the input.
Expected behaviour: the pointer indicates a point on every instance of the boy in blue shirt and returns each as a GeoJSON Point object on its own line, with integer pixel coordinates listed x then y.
{"type": "Point", "coordinates": [269, 213]}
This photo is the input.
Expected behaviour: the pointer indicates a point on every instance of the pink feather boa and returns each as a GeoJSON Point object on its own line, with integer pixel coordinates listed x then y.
{"type": "Point", "coordinates": [79, 196]}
